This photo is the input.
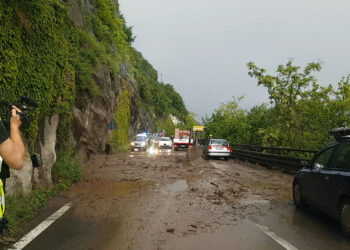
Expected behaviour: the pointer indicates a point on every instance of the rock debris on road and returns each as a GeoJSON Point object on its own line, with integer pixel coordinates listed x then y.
{"type": "Point", "coordinates": [173, 200]}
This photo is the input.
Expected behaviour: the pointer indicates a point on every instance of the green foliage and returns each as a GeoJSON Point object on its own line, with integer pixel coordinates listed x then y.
{"type": "Point", "coordinates": [229, 122]}
{"type": "Point", "coordinates": [66, 167]}
{"type": "Point", "coordinates": [161, 98]}
{"type": "Point", "coordinates": [188, 122]}
{"type": "Point", "coordinates": [303, 112]}
{"type": "Point", "coordinates": [122, 148]}
{"type": "Point", "coordinates": [43, 54]}
{"type": "Point", "coordinates": [168, 126]}
{"type": "Point", "coordinates": [37, 51]}
{"type": "Point", "coordinates": [300, 114]}
{"type": "Point", "coordinates": [23, 208]}
{"type": "Point", "coordinates": [65, 122]}
{"type": "Point", "coordinates": [122, 118]}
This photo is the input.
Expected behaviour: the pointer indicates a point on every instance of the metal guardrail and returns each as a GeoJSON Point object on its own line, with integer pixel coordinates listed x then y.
{"type": "Point", "coordinates": [272, 157]}
{"type": "Point", "coordinates": [273, 149]}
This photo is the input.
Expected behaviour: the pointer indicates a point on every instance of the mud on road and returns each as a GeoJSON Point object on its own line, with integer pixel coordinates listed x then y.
{"type": "Point", "coordinates": [152, 202]}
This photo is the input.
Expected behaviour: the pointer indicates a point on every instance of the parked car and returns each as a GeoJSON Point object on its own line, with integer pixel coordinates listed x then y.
{"type": "Point", "coordinates": [140, 143]}
{"type": "Point", "coordinates": [216, 148]}
{"type": "Point", "coordinates": [165, 142]}
{"type": "Point", "coordinates": [325, 182]}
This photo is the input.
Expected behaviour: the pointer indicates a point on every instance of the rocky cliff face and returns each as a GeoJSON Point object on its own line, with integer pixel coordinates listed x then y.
{"type": "Point", "coordinates": [91, 117]}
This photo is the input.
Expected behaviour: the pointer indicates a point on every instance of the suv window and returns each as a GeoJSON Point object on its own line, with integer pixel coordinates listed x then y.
{"type": "Point", "coordinates": [341, 159]}
{"type": "Point", "coordinates": [323, 159]}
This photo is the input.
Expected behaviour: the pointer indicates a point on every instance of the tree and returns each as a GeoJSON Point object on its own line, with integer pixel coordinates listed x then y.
{"type": "Point", "coordinates": [228, 122]}
{"type": "Point", "coordinates": [285, 89]}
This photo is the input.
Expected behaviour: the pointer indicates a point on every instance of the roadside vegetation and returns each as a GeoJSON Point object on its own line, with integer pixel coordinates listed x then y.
{"type": "Point", "coordinates": [300, 114]}
{"type": "Point", "coordinates": [186, 124]}
{"type": "Point", "coordinates": [44, 55]}
{"type": "Point", "coordinates": [22, 208]}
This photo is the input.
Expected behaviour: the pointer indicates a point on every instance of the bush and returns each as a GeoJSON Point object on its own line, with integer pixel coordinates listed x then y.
{"type": "Point", "coordinates": [66, 167]}
{"type": "Point", "coordinates": [122, 148]}
{"type": "Point", "coordinates": [22, 208]}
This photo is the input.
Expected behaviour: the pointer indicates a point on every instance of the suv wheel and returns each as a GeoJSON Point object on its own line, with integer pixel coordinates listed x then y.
{"type": "Point", "coordinates": [345, 218]}
{"type": "Point", "coordinates": [297, 197]}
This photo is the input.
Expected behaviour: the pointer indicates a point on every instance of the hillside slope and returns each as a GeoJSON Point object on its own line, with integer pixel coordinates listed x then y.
{"type": "Point", "coordinates": [76, 59]}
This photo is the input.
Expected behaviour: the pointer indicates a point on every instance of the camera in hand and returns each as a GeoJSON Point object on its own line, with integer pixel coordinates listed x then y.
{"type": "Point", "coordinates": [27, 105]}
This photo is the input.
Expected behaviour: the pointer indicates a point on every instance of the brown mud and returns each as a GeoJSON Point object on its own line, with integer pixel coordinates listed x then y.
{"type": "Point", "coordinates": [162, 199]}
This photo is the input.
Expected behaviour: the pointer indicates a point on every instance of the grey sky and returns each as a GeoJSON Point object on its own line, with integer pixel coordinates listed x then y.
{"type": "Point", "coordinates": [202, 46]}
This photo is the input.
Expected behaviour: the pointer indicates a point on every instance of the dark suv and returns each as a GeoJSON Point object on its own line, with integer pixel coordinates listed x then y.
{"type": "Point", "coordinates": [325, 183]}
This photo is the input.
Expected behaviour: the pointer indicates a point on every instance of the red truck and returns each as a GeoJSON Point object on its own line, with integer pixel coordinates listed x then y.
{"type": "Point", "coordinates": [182, 139]}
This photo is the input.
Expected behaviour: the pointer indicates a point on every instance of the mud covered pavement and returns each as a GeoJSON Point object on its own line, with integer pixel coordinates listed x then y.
{"type": "Point", "coordinates": [176, 200]}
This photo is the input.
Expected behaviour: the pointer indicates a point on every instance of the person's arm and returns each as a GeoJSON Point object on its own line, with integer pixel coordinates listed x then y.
{"type": "Point", "coordinates": [12, 149]}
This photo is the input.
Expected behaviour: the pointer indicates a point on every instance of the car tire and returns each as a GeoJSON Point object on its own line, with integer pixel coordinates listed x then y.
{"type": "Point", "coordinates": [297, 197]}
{"type": "Point", "coordinates": [226, 158]}
{"type": "Point", "coordinates": [345, 218]}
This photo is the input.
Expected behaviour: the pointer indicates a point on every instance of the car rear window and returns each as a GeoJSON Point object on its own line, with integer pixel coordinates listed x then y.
{"type": "Point", "coordinates": [165, 139]}
{"type": "Point", "coordinates": [219, 142]}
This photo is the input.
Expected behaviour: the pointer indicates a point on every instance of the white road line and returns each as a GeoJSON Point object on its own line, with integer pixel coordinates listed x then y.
{"type": "Point", "coordinates": [279, 240]}
{"type": "Point", "coordinates": [41, 227]}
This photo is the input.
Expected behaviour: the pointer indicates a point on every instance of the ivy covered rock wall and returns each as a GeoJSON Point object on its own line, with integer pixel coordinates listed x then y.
{"type": "Point", "coordinates": [75, 57]}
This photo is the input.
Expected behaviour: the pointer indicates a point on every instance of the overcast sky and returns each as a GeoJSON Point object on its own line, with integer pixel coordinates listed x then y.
{"type": "Point", "coordinates": [202, 46]}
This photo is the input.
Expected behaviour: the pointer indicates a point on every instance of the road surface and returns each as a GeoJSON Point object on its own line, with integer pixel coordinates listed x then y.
{"type": "Point", "coordinates": [176, 200]}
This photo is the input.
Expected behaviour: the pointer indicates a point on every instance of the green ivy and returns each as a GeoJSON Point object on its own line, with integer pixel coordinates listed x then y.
{"type": "Point", "coordinates": [44, 55]}
{"type": "Point", "coordinates": [122, 118]}
{"type": "Point", "coordinates": [38, 47]}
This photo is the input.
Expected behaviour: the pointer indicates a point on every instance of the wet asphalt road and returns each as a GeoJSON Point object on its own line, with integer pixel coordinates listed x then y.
{"type": "Point", "coordinates": [309, 229]}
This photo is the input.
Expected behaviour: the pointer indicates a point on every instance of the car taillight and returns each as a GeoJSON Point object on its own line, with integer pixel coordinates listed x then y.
{"type": "Point", "coordinates": [228, 147]}
{"type": "Point", "coordinates": [209, 148]}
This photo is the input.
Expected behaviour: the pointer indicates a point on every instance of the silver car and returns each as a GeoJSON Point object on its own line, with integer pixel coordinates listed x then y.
{"type": "Point", "coordinates": [216, 148]}
{"type": "Point", "coordinates": [165, 142]}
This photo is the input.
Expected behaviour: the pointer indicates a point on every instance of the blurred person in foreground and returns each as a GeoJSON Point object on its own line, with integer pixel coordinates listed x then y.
{"type": "Point", "coordinates": [12, 149]}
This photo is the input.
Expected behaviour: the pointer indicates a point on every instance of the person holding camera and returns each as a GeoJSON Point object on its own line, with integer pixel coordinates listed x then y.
{"type": "Point", "coordinates": [12, 149]}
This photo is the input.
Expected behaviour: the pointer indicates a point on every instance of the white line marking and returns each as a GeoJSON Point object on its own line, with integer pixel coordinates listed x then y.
{"type": "Point", "coordinates": [41, 227]}
{"type": "Point", "coordinates": [279, 240]}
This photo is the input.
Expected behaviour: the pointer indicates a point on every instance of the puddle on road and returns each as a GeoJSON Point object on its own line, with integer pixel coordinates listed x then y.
{"type": "Point", "coordinates": [176, 187]}
{"type": "Point", "coordinates": [109, 188]}
{"type": "Point", "coordinates": [126, 187]}
{"type": "Point", "coordinates": [242, 236]}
